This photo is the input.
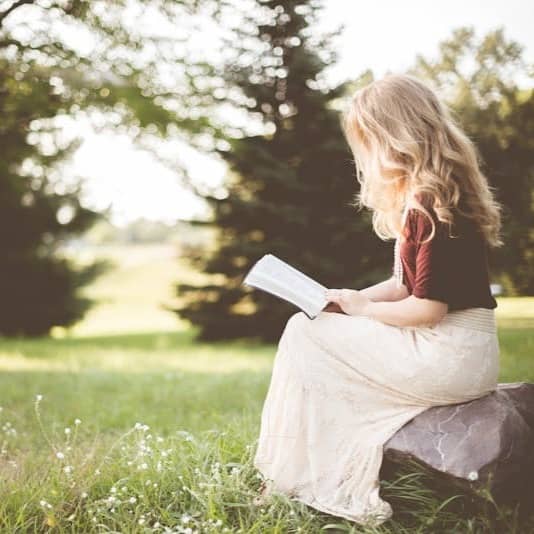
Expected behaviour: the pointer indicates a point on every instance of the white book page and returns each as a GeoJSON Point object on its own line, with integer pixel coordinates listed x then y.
{"type": "Point", "coordinates": [277, 277]}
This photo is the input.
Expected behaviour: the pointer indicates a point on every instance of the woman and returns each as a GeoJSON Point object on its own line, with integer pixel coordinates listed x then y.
{"type": "Point", "coordinates": [344, 383]}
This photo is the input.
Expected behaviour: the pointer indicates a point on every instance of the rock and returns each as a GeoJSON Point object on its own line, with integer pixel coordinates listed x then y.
{"type": "Point", "coordinates": [488, 442]}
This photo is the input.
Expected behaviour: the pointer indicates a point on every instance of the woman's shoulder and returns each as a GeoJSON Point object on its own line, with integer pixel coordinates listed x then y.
{"type": "Point", "coordinates": [420, 225]}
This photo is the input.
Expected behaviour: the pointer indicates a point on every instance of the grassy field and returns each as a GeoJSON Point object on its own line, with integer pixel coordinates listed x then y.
{"type": "Point", "coordinates": [125, 424]}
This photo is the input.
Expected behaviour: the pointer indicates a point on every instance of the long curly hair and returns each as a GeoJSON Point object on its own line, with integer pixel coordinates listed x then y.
{"type": "Point", "coordinates": [408, 148]}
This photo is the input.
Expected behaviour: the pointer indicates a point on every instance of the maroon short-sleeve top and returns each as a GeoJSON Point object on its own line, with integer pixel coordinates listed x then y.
{"type": "Point", "coordinates": [449, 269]}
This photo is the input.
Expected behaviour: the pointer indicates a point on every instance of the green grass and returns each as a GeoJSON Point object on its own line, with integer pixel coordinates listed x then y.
{"type": "Point", "coordinates": [192, 466]}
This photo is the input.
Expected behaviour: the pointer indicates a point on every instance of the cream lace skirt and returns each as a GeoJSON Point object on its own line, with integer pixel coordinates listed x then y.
{"type": "Point", "coordinates": [342, 385]}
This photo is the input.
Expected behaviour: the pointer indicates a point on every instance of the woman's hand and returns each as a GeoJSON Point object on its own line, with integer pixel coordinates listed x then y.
{"type": "Point", "coordinates": [351, 301]}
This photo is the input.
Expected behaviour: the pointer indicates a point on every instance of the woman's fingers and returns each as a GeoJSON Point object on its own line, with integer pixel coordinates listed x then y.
{"type": "Point", "coordinates": [333, 294]}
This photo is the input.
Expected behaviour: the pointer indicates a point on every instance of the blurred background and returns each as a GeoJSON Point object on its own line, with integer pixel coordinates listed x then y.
{"type": "Point", "coordinates": [151, 152]}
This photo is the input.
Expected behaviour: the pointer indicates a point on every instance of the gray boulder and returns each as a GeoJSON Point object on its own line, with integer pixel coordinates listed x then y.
{"type": "Point", "coordinates": [487, 443]}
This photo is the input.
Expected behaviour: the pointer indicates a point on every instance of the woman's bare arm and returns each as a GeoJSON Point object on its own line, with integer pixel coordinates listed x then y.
{"type": "Point", "coordinates": [385, 291]}
{"type": "Point", "coordinates": [411, 311]}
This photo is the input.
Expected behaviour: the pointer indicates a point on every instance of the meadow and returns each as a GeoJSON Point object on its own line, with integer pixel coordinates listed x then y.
{"type": "Point", "coordinates": [125, 424]}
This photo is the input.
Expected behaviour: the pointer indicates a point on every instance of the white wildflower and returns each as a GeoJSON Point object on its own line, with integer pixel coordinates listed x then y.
{"type": "Point", "coordinates": [77, 422]}
{"type": "Point", "coordinates": [132, 500]}
{"type": "Point", "coordinates": [473, 475]}
{"type": "Point", "coordinates": [67, 431]}
{"type": "Point", "coordinates": [38, 398]}
{"type": "Point", "coordinates": [60, 455]}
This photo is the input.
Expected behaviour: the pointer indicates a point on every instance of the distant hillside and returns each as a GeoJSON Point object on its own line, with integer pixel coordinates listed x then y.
{"type": "Point", "coordinates": [144, 231]}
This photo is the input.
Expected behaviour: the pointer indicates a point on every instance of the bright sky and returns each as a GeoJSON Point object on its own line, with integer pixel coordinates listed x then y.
{"type": "Point", "coordinates": [384, 35]}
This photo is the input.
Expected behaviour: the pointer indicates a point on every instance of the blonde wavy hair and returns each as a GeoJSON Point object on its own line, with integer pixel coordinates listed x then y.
{"type": "Point", "coordinates": [406, 145]}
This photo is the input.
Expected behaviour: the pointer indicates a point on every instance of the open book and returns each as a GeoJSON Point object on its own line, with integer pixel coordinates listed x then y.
{"type": "Point", "coordinates": [275, 276]}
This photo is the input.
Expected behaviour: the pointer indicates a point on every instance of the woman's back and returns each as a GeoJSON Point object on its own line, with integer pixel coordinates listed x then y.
{"type": "Point", "coordinates": [449, 269]}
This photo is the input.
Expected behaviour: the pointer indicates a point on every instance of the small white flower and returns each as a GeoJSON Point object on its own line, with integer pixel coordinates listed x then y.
{"type": "Point", "coordinates": [132, 500]}
{"type": "Point", "coordinates": [77, 422]}
{"type": "Point", "coordinates": [67, 431]}
{"type": "Point", "coordinates": [84, 495]}
{"type": "Point", "coordinates": [113, 489]}
{"type": "Point", "coordinates": [60, 455]}
{"type": "Point", "coordinates": [42, 503]}
{"type": "Point", "coordinates": [141, 521]}
{"type": "Point", "coordinates": [473, 475]}
{"type": "Point", "coordinates": [68, 469]}
{"type": "Point", "coordinates": [38, 398]}
{"type": "Point", "coordinates": [185, 518]}
{"type": "Point", "coordinates": [97, 472]}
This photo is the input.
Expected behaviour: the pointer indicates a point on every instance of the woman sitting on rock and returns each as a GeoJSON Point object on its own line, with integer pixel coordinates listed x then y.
{"type": "Point", "coordinates": [344, 383]}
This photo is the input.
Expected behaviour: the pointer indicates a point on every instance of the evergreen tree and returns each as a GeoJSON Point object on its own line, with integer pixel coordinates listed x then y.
{"type": "Point", "coordinates": [39, 288]}
{"type": "Point", "coordinates": [42, 77]}
{"type": "Point", "coordinates": [290, 189]}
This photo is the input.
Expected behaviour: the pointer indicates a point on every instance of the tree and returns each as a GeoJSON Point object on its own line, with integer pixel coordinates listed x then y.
{"type": "Point", "coordinates": [290, 185]}
{"type": "Point", "coordinates": [480, 80]}
{"type": "Point", "coordinates": [43, 78]}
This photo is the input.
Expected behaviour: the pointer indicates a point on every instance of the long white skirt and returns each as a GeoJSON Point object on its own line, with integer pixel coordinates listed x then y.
{"type": "Point", "coordinates": [342, 385]}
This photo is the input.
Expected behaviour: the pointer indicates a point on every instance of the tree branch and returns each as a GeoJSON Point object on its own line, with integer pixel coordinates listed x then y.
{"type": "Point", "coordinates": [12, 7]}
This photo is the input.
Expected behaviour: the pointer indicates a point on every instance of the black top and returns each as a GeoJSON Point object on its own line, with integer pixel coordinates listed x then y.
{"type": "Point", "coordinates": [449, 269]}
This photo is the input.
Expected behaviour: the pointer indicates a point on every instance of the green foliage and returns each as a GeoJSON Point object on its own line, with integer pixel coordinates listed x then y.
{"type": "Point", "coordinates": [480, 79]}
{"type": "Point", "coordinates": [43, 77]}
{"type": "Point", "coordinates": [37, 213]}
{"type": "Point", "coordinates": [291, 182]}
{"type": "Point", "coordinates": [192, 466]}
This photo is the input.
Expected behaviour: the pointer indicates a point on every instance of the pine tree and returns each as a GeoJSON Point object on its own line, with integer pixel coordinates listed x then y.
{"type": "Point", "coordinates": [43, 77]}
{"type": "Point", "coordinates": [290, 188]}
{"type": "Point", "coordinates": [39, 288]}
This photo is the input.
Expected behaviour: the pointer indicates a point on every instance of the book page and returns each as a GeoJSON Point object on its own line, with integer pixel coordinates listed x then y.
{"type": "Point", "coordinates": [277, 277]}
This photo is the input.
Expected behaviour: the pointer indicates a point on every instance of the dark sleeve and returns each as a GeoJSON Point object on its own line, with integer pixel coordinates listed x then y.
{"type": "Point", "coordinates": [433, 276]}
